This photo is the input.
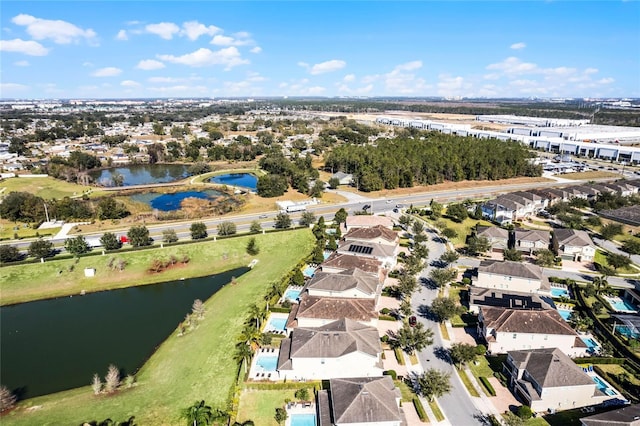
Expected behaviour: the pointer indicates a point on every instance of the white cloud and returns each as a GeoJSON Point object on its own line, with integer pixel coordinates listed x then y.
{"type": "Point", "coordinates": [514, 66]}
{"type": "Point", "coordinates": [122, 35]}
{"type": "Point", "coordinates": [164, 80]}
{"type": "Point", "coordinates": [607, 80]}
{"type": "Point", "coordinates": [129, 83]}
{"type": "Point", "coordinates": [107, 72]}
{"type": "Point", "coordinates": [8, 88]}
{"type": "Point", "coordinates": [150, 64]}
{"type": "Point", "coordinates": [327, 66]}
{"type": "Point", "coordinates": [27, 47]}
{"type": "Point", "coordinates": [401, 81]}
{"type": "Point", "coordinates": [300, 88]}
{"type": "Point", "coordinates": [87, 64]}
{"type": "Point", "coordinates": [194, 29]}
{"type": "Point", "coordinates": [229, 57]}
{"type": "Point", "coordinates": [349, 77]}
{"type": "Point", "coordinates": [164, 30]}
{"type": "Point", "coordinates": [180, 90]}
{"type": "Point", "coordinates": [591, 71]}
{"type": "Point", "coordinates": [409, 66]}
{"type": "Point", "coordinates": [518, 46]}
{"type": "Point", "coordinates": [256, 49]}
{"type": "Point", "coordinates": [60, 32]}
{"type": "Point", "coordinates": [222, 40]}
{"type": "Point", "coordinates": [21, 63]}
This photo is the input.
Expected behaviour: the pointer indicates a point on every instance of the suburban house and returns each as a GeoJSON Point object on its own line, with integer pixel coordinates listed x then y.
{"type": "Point", "coordinates": [376, 234]}
{"type": "Point", "coordinates": [501, 212]}
{"type": "Point", "coordinates": [626, 416]}
{"type": "Point", "coordinates": [548, 380]}
{"type": "Point", "coordinates": [539, 202]}
{"type": "Point", "coordinates": [506, 299]}
{"type": "Point", "coordinates": [314, 311]}
{"type": "Point", "coordinates": [343, 348]}
{"type": "Point", "coordinates": [530, 240]}
{"type": "Point", "coordinates": [383, 253]}
{"type": "Point", "coordinates": [507, 330]}
{"type": "Point", "coordinates": [367, 221]}
{"type": "Point", "coordinates": [353, 283]}
{"type": "Point", "coordinates": [360, 401]}
{"type": "Point", "coordinates": [575, 245]}
{"type": "Point", "coordinates": [497, 237]}
{"type": "Point", "coordinates": [337, 262]}
{"type": "Point", "coordinates": [343, 178]}
{"type": "Point", "coordinates": [511, 276]}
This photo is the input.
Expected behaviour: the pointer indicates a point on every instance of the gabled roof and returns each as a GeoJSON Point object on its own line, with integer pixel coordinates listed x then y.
{"type": "Point", "coordinates": [332, 340]}
{"type": "Point", "coordinates": [532, 235]}
{"type": "Point", "coordinates": [367, 221]}
{"type": "Point", "coordinates": [374, 232]}
{"type": "Point", "coordinates": [366, 249]}
{"type": "Point", "coordinates": [550, 367]}
{"type": "Point", "coordinates": [364, 400]}
{"type": "Point", "coordinates": [505, 320]}
{"type": "Point", "coordinates": [333, 308]}
{"type": "Point", "coordinates": [341, 175]}
{"type": "Point", "coordinates": [343, 281]}
{"type": "Point", "coordinates": [531, 196]}
{"type": "Point", "coordinates": [479, 296]}
{"type": "Point", "coordinates": [511, 269]}
{"type": "Point", "coordinates": [348, 261]}
{"type": "Point", "coordinates": [492, 232]}
{"type": "Point", "coordinates": [573, 238]}
{"type": "Point", "coordinates": [627, 416]}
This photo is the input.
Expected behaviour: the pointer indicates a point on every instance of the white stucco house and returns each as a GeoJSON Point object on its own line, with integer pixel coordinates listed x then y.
{"type": "Point", "coordinates": [506, 329]}
{"type": "Point", "coordinates": [575, 245]}
{"type": "Point", "coordinates": [512, 276]}
{"type": "Point", "coordinates": [352, 283]}
{"type": "Point", "coordinates": [548, 380]}
{"type": "Point", "coordinates": [343, 348]}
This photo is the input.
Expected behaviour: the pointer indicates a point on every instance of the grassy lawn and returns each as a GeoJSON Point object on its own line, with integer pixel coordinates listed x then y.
{"type": "Point", "coordinates": [436, 410]}
{"type": "Point", "coordinates": [463, 229]}
{"type": "Point", "coordinates": [260, 405]}
{"type": "Point", "coordinates": [8, 231]}
{"type": "Point", "coordinates": [184, 369]}
{"type": "Point", "coordinates": [482, 369]}
{"type": "Point", "coordinates": [53, 278]}
{"type": "Point", "coordinates": [405, 390]}
{"type": "Point", "coordinates": [536, 421]}
{"type": "Point", "coordinates": [601, 258]}
{"type": "Point", "coordinates": [615, 369]}
{"type": "Point", "coordinates": [444, 331]}
{"type": "Point", "coordinates": [47, 187]}
{"type": "Point", "coordinates": [467, 383]}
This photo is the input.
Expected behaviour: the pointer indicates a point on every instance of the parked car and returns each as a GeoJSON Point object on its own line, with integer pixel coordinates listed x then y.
{"type": "Point", "coordinates": [263, 216]}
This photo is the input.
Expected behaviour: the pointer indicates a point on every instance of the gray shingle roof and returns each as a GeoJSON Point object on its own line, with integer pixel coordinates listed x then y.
{"type": "Point", "coordinates": [334, 308]}
{"type": "Point", "coordinates": [377, 250]}
{"type": "Point", "coordinates": [523, 321]}
{"type": "Point", "coordinates": [627, 416]}
{"type": "Point", "coordinates": [492, 232]}
{"type": "Point", "coordinates": [511, 269]}
{"type": "Point", "coordinates": [532, 235]}
{"type": "Point", "coordinates": [364, 400]}
{"type": "Point", "coordinates": [332, 340]}
{"type": "Point", "coordinates": [377, 231]}
{"type": "Point", "coordinates": [349, 261]}
{"type": "Point", "coordinates": [343, 281]}
{"type": "Point", "coordinates": [573, 238]}
{"type": "Point", "coordinates": [550, 367]}
{"type": "Point", "coordinates": [506, 299]}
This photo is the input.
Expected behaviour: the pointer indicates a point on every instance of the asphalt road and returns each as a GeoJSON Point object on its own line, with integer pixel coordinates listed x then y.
{"type": "Point", "coordinates": [457, 405]}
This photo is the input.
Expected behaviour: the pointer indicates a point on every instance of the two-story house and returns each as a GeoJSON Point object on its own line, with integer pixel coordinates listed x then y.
{"type": "Point", "coordinates": [496, 236]}
{"type": "Point", "coordinates": [575, 245]}
{"type": "Point", "coordinates": [511, 276]}
{"type": "Point", "coordinates": [530, 240]}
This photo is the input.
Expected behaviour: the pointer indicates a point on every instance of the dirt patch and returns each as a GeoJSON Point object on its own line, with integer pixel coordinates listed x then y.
{"type": "Point", "coordinates": [590, 175]}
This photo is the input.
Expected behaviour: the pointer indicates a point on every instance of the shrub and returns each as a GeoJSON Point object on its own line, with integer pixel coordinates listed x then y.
{"type": "Point", "coordinates": [302, 394]}
{"type": "Point", "coordinates": [398, 354]}
{"type": "Point", "coordinates": [487, 385]}
{"type": "Point", "coordinates": [420, 409]}
{"type": "Point", "coordinates": [524, 412]}
{"type": "Point", "coordinates": [385, 311]}
{"type": "Point", "coordinates": [391, 373]}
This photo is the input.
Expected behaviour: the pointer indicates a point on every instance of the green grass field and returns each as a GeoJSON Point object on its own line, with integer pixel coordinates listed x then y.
{"type": "Point", "coordinates": [46, 187]}
{"type": "Point", "coordinates": [197, 366]}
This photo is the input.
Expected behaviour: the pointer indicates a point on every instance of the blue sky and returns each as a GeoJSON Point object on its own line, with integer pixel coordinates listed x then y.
{"type": "Point", "coordinates": [118, 49]}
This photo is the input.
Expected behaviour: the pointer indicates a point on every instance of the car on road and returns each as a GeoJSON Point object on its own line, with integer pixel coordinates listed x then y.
{"type": "Point", "coordinates": [413, 320]}
{"type": "Point", "coordinates": [388, 201]}
{"type": "Point", "coordinates": [263, 216]}
{"type": "Point", "coordinates": [395, 210]}
{"type": "Point", "coordinates": [366, 207]}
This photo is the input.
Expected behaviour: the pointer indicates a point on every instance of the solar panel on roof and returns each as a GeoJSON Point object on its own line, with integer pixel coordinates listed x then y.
{"type": "Point", "coordinates": [360, 249]}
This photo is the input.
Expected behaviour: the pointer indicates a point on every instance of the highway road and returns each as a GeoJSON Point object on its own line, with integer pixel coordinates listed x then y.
{"type": "Point", "coordinates": [377, 205]}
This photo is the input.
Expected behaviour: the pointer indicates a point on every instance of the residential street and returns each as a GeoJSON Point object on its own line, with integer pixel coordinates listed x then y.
{"type": "Point", "coordinates": [458, 406]}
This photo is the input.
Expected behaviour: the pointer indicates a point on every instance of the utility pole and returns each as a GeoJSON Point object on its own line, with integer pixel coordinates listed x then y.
{"type": "Point", "coordinates": [45, 211]}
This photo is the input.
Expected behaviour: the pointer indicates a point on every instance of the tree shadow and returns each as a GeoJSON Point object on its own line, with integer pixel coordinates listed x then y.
{"type": "Point", "coordinates": [425, 312]}
{"type": "Point", "coordinates": [442, 354]}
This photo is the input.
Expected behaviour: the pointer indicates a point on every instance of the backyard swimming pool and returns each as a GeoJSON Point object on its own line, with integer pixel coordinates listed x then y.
{"type": "Point", "coordinates": [627, 332]}
{"type": "Point", "coordinates": [266, 362]}
{"type": "Point", "coordinates": [591, 344]}
{"type": "Point", "coordinates": [303, 419]}
{"type": "Point", "coordinates": [292, 294]}
{"type": "Point", "coordinates": [309, 271]}
{"type": "Point", "coordinates": [276, 324]}
{"type": "Point", "coordinates": [559, 292]}
{"type": "Point", "coordinates": [603, 387]}
{"type": "Point", "coordinates": [621, 305]}
{"type": "Point", "coordinates": [565, 313]}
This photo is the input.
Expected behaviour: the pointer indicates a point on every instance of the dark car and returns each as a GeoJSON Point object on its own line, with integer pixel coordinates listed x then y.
{"type": "Point", "coordinates": [413, 321]}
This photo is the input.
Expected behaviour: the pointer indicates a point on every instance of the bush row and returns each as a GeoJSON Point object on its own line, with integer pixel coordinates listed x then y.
{"type": "Point", "coordinates": [420, 409]}
{"type": "Point", "coordinates": [487, 385]}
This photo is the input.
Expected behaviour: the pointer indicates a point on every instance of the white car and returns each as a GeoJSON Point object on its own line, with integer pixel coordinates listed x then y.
{"type": "Point", "coordinates": [388, 201]}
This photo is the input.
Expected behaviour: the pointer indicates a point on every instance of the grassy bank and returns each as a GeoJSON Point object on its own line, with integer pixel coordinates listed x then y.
{"type": "Point", "coordinates": [184, 369]}
{"type": "Point", "coordinates": [48, 187]}
{"type": "Point", "coordinates": [54, 278]}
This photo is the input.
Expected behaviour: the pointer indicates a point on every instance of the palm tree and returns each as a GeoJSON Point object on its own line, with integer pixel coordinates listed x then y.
{"type": "Point", "coordinates": [601, 284]}
{"type": "Point", "coordinates": [257, 313]}
{"type": "Point", "coordinates": [243, 353]}
{"type": "Point", "coordinates": [250, 335]}
{"type": "Point", "coordinates": [197, 414]}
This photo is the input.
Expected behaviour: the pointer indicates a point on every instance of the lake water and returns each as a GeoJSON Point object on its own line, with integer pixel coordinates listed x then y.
{"type": "Point", "coordinates": [170, 202]}
{"type": "Point", "coordinates": [141, 174]}
{"type": "Point", "coordinates": [245, 180]}
{"type": "Point", "coordinates": [58, 344]}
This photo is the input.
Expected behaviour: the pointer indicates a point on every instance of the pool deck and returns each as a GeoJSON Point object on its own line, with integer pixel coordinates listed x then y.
{"type": "Point", "coordinates": [299, 408]}
{"type": "Point", "coordinates": [274, 315]}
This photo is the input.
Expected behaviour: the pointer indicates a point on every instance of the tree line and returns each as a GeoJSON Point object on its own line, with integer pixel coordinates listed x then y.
{"type": "Point", "coordinates": [429, 159]}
